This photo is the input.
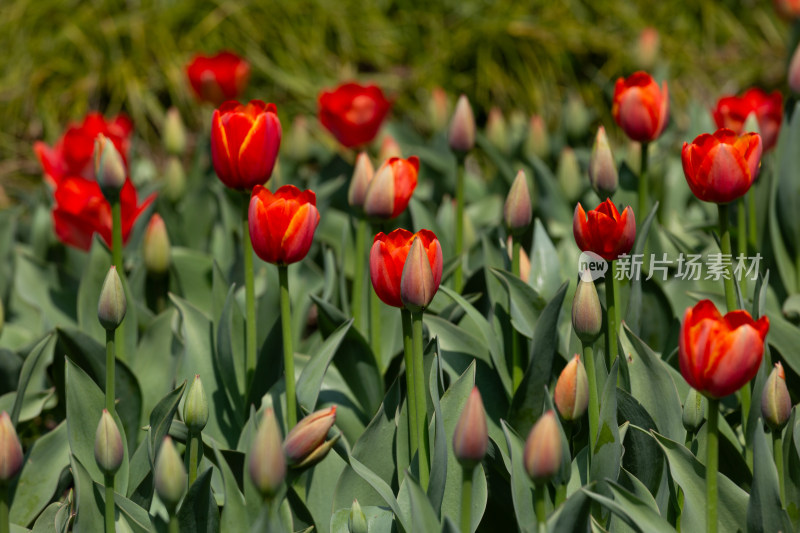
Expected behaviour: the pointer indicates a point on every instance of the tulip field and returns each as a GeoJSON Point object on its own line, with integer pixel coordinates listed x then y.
{"type": "Point", "coordinates": [363, 319]}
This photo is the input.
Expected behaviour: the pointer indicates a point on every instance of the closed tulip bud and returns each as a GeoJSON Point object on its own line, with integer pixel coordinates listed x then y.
{"type": "Point", "coordinates": [587, 314]}
{"type": "Point", "coordinates": [170, 475]}
{"type": "Point", "coordinates": [156, 247]}
{"type": "Point", "coordinates": [517, 210]}
{"type": "Point", "coordinates": [471, 436]}
{"type": "Point", "coordinates": [602, 170]}
{"type": "Point", "coordinates": [298, 143]}
{"type": "Point", "coordinates": [538, 142]}
{"type": "Point", "coordinates": [112, 306]}
{"type": "Point", "coordinates": [195, 408]}
{"type": "Point", "coordinates": [109, 168]}
{"type": "Point", "coordinates": [390, 190]}
{"type": "Point", "coordinates": [10, 450]}
{"type": "Point", "coordinates": [418, 284]}
{"type": "Point", "coordinates": [462, 127]}
{"type": "Point", "coordinates": [572, 390]}
{"type": "Point", "coordinates": [389, 148]}
{"type": "Point", "coordinates": [174, 134]}
{"type": "Point", "coordinates": [542, 455]}
{"type": "Point", "coordinates": [267, 465]}
{"type": "Point", "coordinates": [108, 450]}
{"type": "Point", "coordinates": [438, 108]}
{"type": "Point", "coordinates": [497, 130]}
{"type": "Point", "coordinates": [357, 523]}
{"type": "Point", "coordinates": [362, 175]}
{"type": "Point", "coordinates": [647, 48]}
{"type": "Point", "coordinates": [776, 404]}
{"type": "Point", "coordinates": [174, 179]}
{"type": "Point", "coordinates": [305, 444]}
{"type": "Point", "coordinates": [794, 71]}
{"type": "Point", "coordinates": [576, 117]}
{"type": "Point", "coordinates": [694, 410]}
{"type": "Point", "coordinates": [569, 174]}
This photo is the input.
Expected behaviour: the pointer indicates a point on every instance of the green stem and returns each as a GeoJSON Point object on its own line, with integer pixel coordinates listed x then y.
{"type": "Point", "coordinates": [288, 351]}
{"type": "Point", "coordinates": [725, 248]}
{"type": "Point", "coordinates": [741, 239]}
{"type": "Point", "coordinates": [466, 499]}
{"type": "Point", "coordinates": [752, 230]}
{"type": "Point", "coordinates": [250, 299]}
{"type": "Point", "coordinates": [777, 451]}
{"type": "Point", "coordinates": [712, 465]}
{"type": "Point", "coordinates": [745, 397]}
{"type": "Point", "coordinates": [539, 506]}
{"type": "Point", "coordinates": [458, 276]}
{"type": "Point", "coordinates": [110, 363]}
{"type": "Point", "coordinates": [375, 327]}
{"type": "Point", "coordinates": [594, 402]}
{"type": "Point", "coordinates": [194, 445]}
{"type": "Point", "coordinates": [561, 494]}
{"type": "Point", "coordinates": [109, 508]}
{"type": "Point", "coordinates": [116, 258]}
{"type": "Point", "coordinates": [173, 525]}
{"type": "Point", "coordinates": [681, 496]}
{"type": "Point", "coordinates": [422, 402]}
{"type": "Point", "coordinates": [516, 257]}
{"type": "Point", "coordinates": [517, 370]}
{"type": "Point", "coordinates": [643, 185]}
{"type": "Point", "coordinates": [411, 397]}
{"type": "Point", "coordinates": [5, 525]}
{"type": "Point", "coordinates": [611, 316]}
{"type": "Point", "coordinates": [358, 278]}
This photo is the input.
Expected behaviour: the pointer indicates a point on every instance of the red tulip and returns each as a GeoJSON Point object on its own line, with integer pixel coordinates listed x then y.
{"type": "Point", "coordinates": [282, 224]}
{"type": "Point", "coordinates": [389, 191]}
{"type": "Point", "coordinates": [72, 154]}
{"type": "Point", "coordinates": [219, 77]}
{"type": "Point", "coordinates": [244, 143]}
{"type": "Point", "coordinates": [605, 232]}
{"type": "Point", "coordinates": [81, 210]}
{"type": "Point", "coordinates": [353, 113]}
{"type": "Point", "coordinates": [787, 8]}
{"type": "Point", "coordinates": [721, 167]}
{"type": "Point", "coordinates": [732, 112]}
{"type": "Point", "coordinates": [388, 257]}
{"type": "Point", "coordinates": [641, 107]}
{"type": "Point", "coordinates": [719, 354]}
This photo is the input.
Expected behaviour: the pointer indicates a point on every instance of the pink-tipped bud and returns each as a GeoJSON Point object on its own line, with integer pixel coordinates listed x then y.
{"type": "Point", "coordinates": [471, 437]}
{"type": "Point", "coordinates": [602, 170]}
{"type": "Point", "coordinates": [538, 142]}
{"type": "Point", "coordinates": [462, 127]}
{"type": "Point", "coordinates": [542, 455]}
{"type": "Point", "coordinates": [647, 48]}
{"type": "Point", "coordinates": [794, 71]}
{"type": "Point", "coordinates": [109, 168]}
{"type": "Point", "coordinates": [174, 133]}
{"type": "Point", "coordinates": [156, 246]}
{"type": "Point", "coordinates": [170, 475]}
{"type": "Point", "coordinates": [10, 450]}
{"type": "Point", "coordinates": [497, 130]}
{"type": "Point", "coordinates": [418, 282]}
{"type": "Point", "coordinates": [776, 404]}
{"type": "Point", "coordinates": [305, 444]}
{"type": "Point", "coordinates": [517, 210]}
{"type": "Point", "coordinates": [389, 148]}
{"type": "Point", "coordinates": [362, 174]}
{"type": "Point", "coordinates": [267, 465]}
{"type": "Point", "coordinates": [571, 395]}
{"type": "Point", "coordinates": [587, 313]}
{"type": "Point", "coordinates": [438, 108]}
{"type": "Point", "coordinates": [108, 449]}
{"type": "Point", "coordinates": [379, 196]}
{"type": "Point", "coordinates": [113, 305]}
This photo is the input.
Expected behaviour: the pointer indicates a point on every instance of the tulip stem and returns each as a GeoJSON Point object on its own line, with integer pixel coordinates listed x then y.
{"type": "Point", "coordinates": [358, 278]}
{"type": "Point", "coordinates": [611, 316]}
{"type": "Point", "coordinates": [725, 248]}
{"type": "Point", "coordinates": [741, 239]}
{"type": "Point", "coordinates": [712, 465]}
{"type": "Point", "coordinates": [594, 403]}
{"type": "Point", "coordinates": [250, 299]}
{"type": "Point", "coordinates": [539, 506]}
{"type": "Point", "coordinates": [109, 508]}
{"type": "Point", "coordinates": [777, 452]}
{"type": "Point", "coordinates": [458, 276]}
{"type": "Point", "coordinates": [643, 183]}
{"type": "Point", "coordinates": [116, 258]}
{"type": "Point", "coordinates": [411, 397]}
{"type": "Point", "coordinates": [752, 229]}
{"type": "Point", "coordinates": [375, 328]}
{"type": "Point", "coordinates": [110, 362]}
{"type": "Point", "coordinates": [288, 351]}
{"type": "Point", "coordinates": [516, 259]}
{"type": "Point", "coordinates": [173, 525]}
{"type": "Point", "coordinates": [422, 400]}
{"type": "Point", "coordinates": [194, 444]}
{"type": "Point", "coordinates": [466, 498]}
{"type": "Point", "coordinates": [561, 494]}
{"type": "Point", "coordinates": [4, 520]}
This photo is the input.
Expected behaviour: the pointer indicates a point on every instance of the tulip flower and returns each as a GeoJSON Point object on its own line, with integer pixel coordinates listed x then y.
{"type": "Point", "coordinates": [721, 167]}
{"type": "Point", "coordinates": [731, 112]}
{"type": "Point", "coordinates": [357, 521]}
{"type": "Point", "coordinates": [542, 454]}
{"type": "Point", "coordinates": [571, 394]}
{"type": "Point", "coordinates": [640, 107]}
{"type": "Point", "coordinates": [776, 404]}
{"type": "Point", "coordinates": [282, 224]}
{"type": "Point", "coordinates": [787, 8]}
{"type": "Point", "coordinates": [517, 210]}
{"type": "Point", "coordinates": [602, 170]}
{"type": "Point", "coordinates": [694, 411]}
{"type": "Point", "coordinates": [353, 113]}
{"type": "Point", "coordinates": [604, 230]}
{"type": "Point", "coordinates": [267, 464]}
{"type": "Point", "coordinates": [109, 168]}
{"type": "Point", "coordinates": [108, 449]}
{"type": "Point", "coordinates": [11, 457]}
{"type": "Point", "coordinates": [173, 132]}
{"type": "Point", "coordinates": [156, 246]}
{"type": "Point", "coordinates": [793, 76]}
{"type": "Point", "coordinates": [362, 175]}
{"type": "Point", "coordinates": [537, 143]}
{"type": "Point", "coordinates": [389, 148]}
{"type": "Point", "coordinates": [647, 47]}
{"type": "Point", "coordinates": [388, 258]}
{"type": "Point", "coordinates": [112, 305]}
{"type": "Point", "coordinates": [305, 445]}
{"type": "Point", "coordinates": [471, 436]}
{"type": "Point", "coordinates": [169, 476]}
{"type": "Point", "coordinates": [462, 127]}
{"type": "Point", "coordinates": [244, 143]}
{"type": "Point", "coordinates": [388, 193]}
{"type": "Point", "coordinates": [217, 78]}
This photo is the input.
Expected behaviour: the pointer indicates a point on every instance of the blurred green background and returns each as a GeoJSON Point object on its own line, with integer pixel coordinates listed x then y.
{"type": "Point", "coordinates": [65, 57]}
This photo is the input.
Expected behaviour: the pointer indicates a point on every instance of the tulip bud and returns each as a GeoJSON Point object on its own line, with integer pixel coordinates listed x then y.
{"type": "Point", "coordinates": [602, 170]}
{"type": "Point", "coordinates": [694, 410]}
{"type": "Point", "coordinates": [576, 117]}
{"type": "Point", "coordinates": [462, 127]}
{"type": "Point", "coordinates": [438, 108]}
{"type": "Point", "coordinates": [647, 48]}
{"type": "Point", "coordinates": [497, 130]}
{"type": "Point", "coordinates": [357, 523]}
{"type": "Point", "coordinates": [267, 464]}
{"type": "Point", "coordinates": [10, 450]}
{"type": "Point", "coordinates": [195, 408]}
{"type": "Point", "coordinates": [298, 143]}
{"type": "Point", "coordinates": [109, 168]}
{"type": "Point", "coordinates": [538, 143]}
{"type": "Point", "coordinates": [380, 200]}
{"type": "Point", "coordinates": [305, 444]}
{"type": "Point", "coordinates": [776, 404]}
{"type": "Point", "coordinates": [571, 395]}
{"type": "Point", "coordinates": [389, 148]}
{"type": "Point", "coordinates": [174, 134]}
{"type": "Point", "coordinates": [794, 71]}
{"type": "Point", "coordinates": [569, 175]}
{"type": "Point", "coordinates": [362, 174]}
{"type": "Point", "coordinates": [170, 475]}
{"type": "Point", "coordinates": [587, 314]}
{"type": "Point", "coordinates": [524, 260]}
{"type": "Point", "coordinates": [174, 179]}
{"type": "Point", "coordinates": [112, 306]}
{"type": "Point", "coordinates": [417, 286]}
{"type": "Point", "coordinates": [471, 436]}
{"type": "Point", "coordinates": [156, 248]}
{"type": "Point", "coordinates": [517, 210]}
{"type": "Point", "coordinates": [108, 450]}
{"type": "Point", "coordinates": [542, 455]}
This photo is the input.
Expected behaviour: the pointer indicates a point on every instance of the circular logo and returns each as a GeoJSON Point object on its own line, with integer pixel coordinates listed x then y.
{"type": "Point", "coordinates": [591, 266]}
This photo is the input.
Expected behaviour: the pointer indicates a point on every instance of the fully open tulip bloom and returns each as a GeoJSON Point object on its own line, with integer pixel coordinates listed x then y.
{"type": "Point", "coordinates": [719, 354]}
{"type": "Point", "coordinates": [388, 257]}
{"type": "Point", "coordinates": [390, 190]}
{"type": "Point", "coordinates": [721, 167]}
{"type": "Point", "coordinates": [282, 225]}
{"type": "Point", "coordinates": [604, 231]}
{"type": "Point", "coordinates": [244, 143]}
{"type": "Point", "coordinates": [641, 107]}
{"type": "Point", "coordinates": [217, 78]}
{"type": "Point", "coordinates": [353, 113]}
{"type": "Point", "coordinates": [732, 112]}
